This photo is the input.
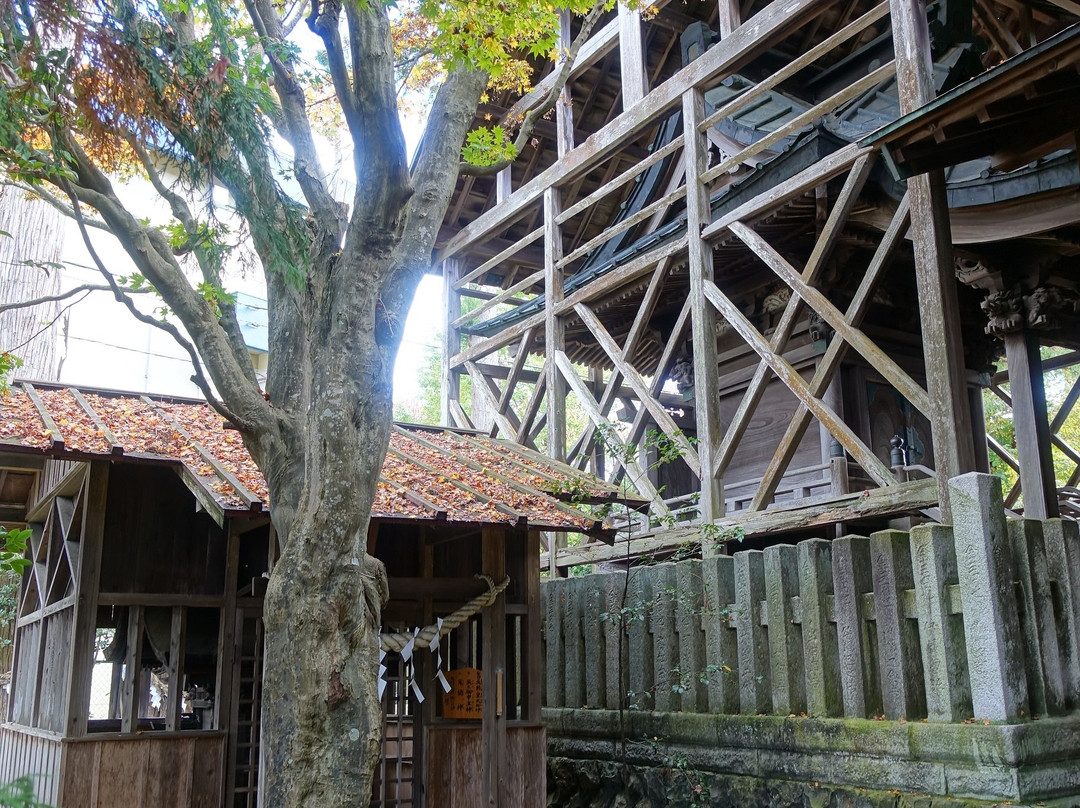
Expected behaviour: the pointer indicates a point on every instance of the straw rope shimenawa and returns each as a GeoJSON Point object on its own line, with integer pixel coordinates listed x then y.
{"type": "Point", "coordinates": [394, 641]}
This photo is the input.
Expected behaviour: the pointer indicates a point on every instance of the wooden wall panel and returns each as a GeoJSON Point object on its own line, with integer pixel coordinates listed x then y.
{"type": "Point", "coordinates": [24, 691]}
{"type": "Point", "coordinates": [55, 669]}
{"type": "Point", "coordinates": [155, 541]}
{"type": "Point", "coordinates": [454, 776]}
{"type": "Point", "coordinates": [31, 753]}
{"type": "Point", "coordinates": [180, 770]}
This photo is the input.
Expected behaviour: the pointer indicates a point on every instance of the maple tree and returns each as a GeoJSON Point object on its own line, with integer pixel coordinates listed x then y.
{"type": "Point", "coordinates": [191, 94]}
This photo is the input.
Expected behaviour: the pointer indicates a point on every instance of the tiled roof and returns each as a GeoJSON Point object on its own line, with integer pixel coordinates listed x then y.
{"type": "Point", "coordinates": [429, 473]}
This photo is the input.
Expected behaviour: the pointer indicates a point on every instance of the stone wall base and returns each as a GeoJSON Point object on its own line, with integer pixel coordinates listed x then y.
{"type": "Point", "coordinates": [672, 760]}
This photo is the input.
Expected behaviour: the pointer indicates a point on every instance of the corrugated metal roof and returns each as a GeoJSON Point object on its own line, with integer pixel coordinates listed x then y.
{"type": "Point", "coordinates": [429, 473]}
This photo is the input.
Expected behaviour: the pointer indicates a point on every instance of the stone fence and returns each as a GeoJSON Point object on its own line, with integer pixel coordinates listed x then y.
{"type": "Point", "coordinates": [975, 623]}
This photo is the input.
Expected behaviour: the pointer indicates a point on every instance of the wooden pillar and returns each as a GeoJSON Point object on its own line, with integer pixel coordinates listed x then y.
{"type": "Point", "coordinates": [1033, 446]}
{"type": "Point", "coordinates": [564, 110]}
{"type": "Point", "coordinates": [228, 658]}
{"type": "Point", "coordinates": [554, 329]}
{"type": "Point", "coordinates": [81, 664]}
{"type": "Point", "coordinates": [631, 56]}
{"type": "Point", "coordinates": [129, 719]}
{"type": "Point", "coordinates": [703, 315]}
{"type": "Point", "coordinates": [503, 187]}
{"type": "Point", "coordinates": [950, 417]}
{"type": "Point", "coordinates": [730, 17]}
{"type": "Point", "coordinates": [451, 379]}
{"type": "Point", "coordinates": [493, 665]}
{"type": "Point", "coordinates": [534, 658]}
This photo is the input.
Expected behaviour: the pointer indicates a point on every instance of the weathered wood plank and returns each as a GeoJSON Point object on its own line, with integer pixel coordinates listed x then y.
{"type": "Point", "coordinates": [554, 326]}
{"type": "Point", "coordinates": [660, 415]}
{"type": "Point", "coordinates": [834, 355]}
{"type": "Point", "coordinates": [754, 35]}
{"type": "Point", "coordinates": [637, 474]}
{"type": "Point", "coordinates": [870, 463]}
{"type": "Point", "coordinates": [908, 497]}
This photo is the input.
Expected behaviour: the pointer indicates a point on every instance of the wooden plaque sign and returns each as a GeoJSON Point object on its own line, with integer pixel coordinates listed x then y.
{"type": "Point", "coordinates": [466, 696]}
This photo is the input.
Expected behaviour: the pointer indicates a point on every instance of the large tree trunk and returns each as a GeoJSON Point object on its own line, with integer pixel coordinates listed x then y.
{"type": "Point", "coordinates": [322, 610]}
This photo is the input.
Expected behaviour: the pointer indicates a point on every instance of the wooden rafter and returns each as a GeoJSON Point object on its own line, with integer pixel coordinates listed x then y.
{"type": "Point", "coordinates": [114, 445]}
{"type": "Point", "coordinates": [56, 437]}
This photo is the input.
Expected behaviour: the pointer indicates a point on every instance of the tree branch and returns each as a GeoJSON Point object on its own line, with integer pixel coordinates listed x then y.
{"type": "Point", "coordinates": [324, 21]}
{"type": "Point", "coordinates": [211, 269]}
{"type": "Point", "coordinates": [151, 252]}
{"type": "Point", "coordinates": [327, 212]}
{"type": "Point", "coordinates": [198, 377]}
{"type": "Point", "coordinates": [293, 16]}
{"type": "Point", "coordinates": [86, 287]}
{"type": "Point", "coordinates": [49, 199]}
{"type": "Point", "coordinates": [562, 75]}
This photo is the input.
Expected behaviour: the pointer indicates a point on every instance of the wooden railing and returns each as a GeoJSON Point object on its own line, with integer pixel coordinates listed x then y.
{"type": "Point", "coordinates": [980, 620]}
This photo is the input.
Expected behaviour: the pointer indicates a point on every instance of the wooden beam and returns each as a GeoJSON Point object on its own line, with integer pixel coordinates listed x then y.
{"type": "Point", "coordinates": [909, 497]}
{"type": "Point", "coordinates": [497, 259]}
{"type": "Point", "coordinates": [830, 362]}
{"type": "Point", "coordinates": [755, 35]}
{"type": "Point", "coordinates": [515, 369]}
{"type": "Point", "coordinates": [877, 470]}
{"type": "Point", "coordinates": [939, 313]}
{"type": "Point", "coordinates": [702, 315]}
{"type": "Point", "coordinates": [815, 265]}
{"type": "Point", "coordinates": [564, 110]}
{"type": "Point", "coordinates": [633, 337]}
{"type": "Point", "coordinates": [630, 221]}
{"type": "Point", "coordinates": [482, 385]}
{"type": "Point", "coordinates": [129, 717]}
{"type": "Point", "coordinates": [81, 661]}
{"type": "Point", "coordinates": [1034, 447]}
{"type": "Point", "coordinates": [827, 46]}
{"type": "Point", "coordinates": [729, 18]}
{"type": "Point", "coordinates": [177, 645]}
{"type": "Point", "coordinates": [626, 273]}
{"type": "Point", "coordinates": [554, 327]}
{"type": "Point", "coordinates": [631, 56]}
{"type": "Point", "coordinates": [633, 378]}
{"type": "Point", "coordinates": [502, 297]}
{"type": "Point", "coordinates": [776, 197]}
{"type": "Point", "coordinates": [532, 407]}
{"type": "Point", "coordinates": [802, 120]}
{"type": "Point", "coordinates": [638, 476]}
{"type": "Point", "coordinates": [866, 347]}
{"type": "Point", "coordinates": [451, 387]}
{"type": "Point", "coordinates": [491, 344]}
